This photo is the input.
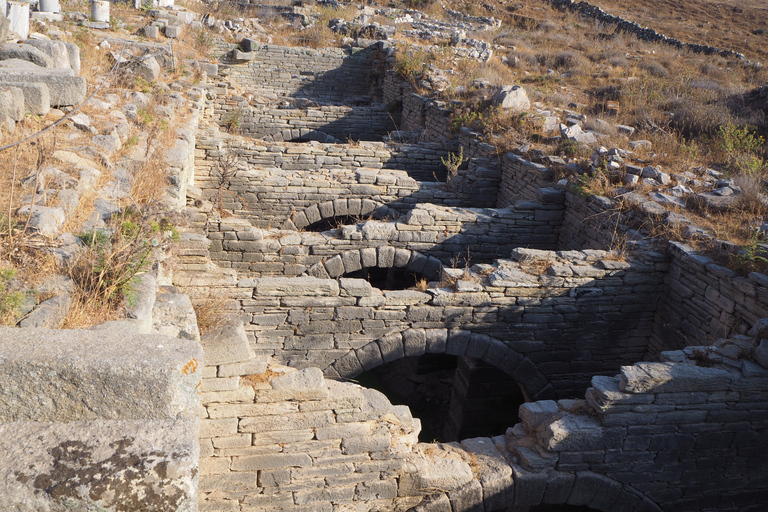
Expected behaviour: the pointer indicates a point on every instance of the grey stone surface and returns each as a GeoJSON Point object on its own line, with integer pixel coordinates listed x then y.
{"type": "Point", "coordinates": [173, 315]}
{"type": "Point", "coordinates": [49, 313]}
{"type": "Point", "coordinates": [142, 301]}
{"type": "Point", "coordinates": [26, 52]}
{"type": "Point", "coordinates": [148, 69]}
{"type": "Point", "coordinates": [226, 344]}
{"type": "Point", "coordinates": [108, 465]}
{"type": "Point", "coordinates": [59, 376]}
{"type": "Point", "coordinates": [64, 90]}
{"type": "Point", "coordinates": [512, 98]}
{"type": "Point", "coordinates": [12, 102]}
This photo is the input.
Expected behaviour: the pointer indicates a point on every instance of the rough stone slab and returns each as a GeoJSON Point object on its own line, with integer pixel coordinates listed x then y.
{"type": "Point", "coordinates": [574, 432]}
{"type": "Point", "coordinates": [64, 90]}
{"type": "Point", "coordinates": [173, 315]}
{"type": "Point", "coordinates": [296, 286]}
{"type": "Point", "coordinates": [672, 378]}
{"type": "Point", "coordinates": [532, 414]}
{"type": "Point", "coordinates": [50, 466]}
{"type": "Point", "coordinates": [73, 375]}
{"type": "Point", "coordinates": [226, 345]}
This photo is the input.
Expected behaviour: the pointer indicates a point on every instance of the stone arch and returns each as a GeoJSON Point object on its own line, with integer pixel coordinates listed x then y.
{"type": "Point", "coordinates": [457, 342]}
{"type": "Point", "coordinates": [383, 256]}
{"type": "Point", "coordinates": [342, 207]}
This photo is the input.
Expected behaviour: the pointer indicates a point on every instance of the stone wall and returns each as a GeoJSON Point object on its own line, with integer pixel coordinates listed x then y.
{"type": "Point", "coordinates": [572, 314]}
{"type": "Point", "coordinates": [593, 222]}
{"type": "Point", "coordinates": [452, 235]}
{"type": "Point", "coordinates": [644, 33]}
{"type": "Point", "coordinates": [275, 182]}
{"type": "Point", "coordinates": [328, 123]}
{"type": "Point", "coordinates": [98, 419]}
{"type": "Point", "coordinates": [704, 301]}
{"type": "Point", "coordinates": [328, 76]}
{"type": "Point", "coordinates": [274, 437]}
{"type": "Point", "coordinates": [521, 180]}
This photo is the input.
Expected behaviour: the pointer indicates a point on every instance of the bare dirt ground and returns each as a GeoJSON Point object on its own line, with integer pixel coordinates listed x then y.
{"type": "Point", "coordinates": [738, 25]}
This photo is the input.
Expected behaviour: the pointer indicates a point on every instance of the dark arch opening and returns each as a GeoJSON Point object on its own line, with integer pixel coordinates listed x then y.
{"type": "Point", "coordinates": [455, 397]}
{"type": "Point", "coordinates": [391, 278]}
{"type": "Point", "coordinates": [333, 223]}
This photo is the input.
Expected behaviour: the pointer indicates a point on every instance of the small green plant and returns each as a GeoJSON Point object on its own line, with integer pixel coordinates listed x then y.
{"type": "Point", "coordinates": [569, 148]}
{"type": "Point", "coordinates": [10, 301]}
{"type": "Point", "coordinates": [752, 253]}
{"type": "Point", "coordinates": [453, 162]}
{"type": "Point", "coordinates": [144, 86]}
{"type": "Point", "coordinates": [733, 139]}
{"type": "Point", "coordinates": [590, 184]}
{"type": "Point", "coordinates": [145, 117]}
{"type": "Point", "coordinates": [233, 119]}
{"type": "Point", "coordinates": [132, 141]}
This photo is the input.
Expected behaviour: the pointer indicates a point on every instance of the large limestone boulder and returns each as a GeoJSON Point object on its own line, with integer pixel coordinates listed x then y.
{"type": "Point", "coordinates": [25, 52]}
{"type": "Point", "coordinates": [512, 98]}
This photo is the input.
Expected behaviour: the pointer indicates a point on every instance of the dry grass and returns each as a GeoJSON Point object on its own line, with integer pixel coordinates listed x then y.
{"type": "Point", "coordinates": [212, 310]}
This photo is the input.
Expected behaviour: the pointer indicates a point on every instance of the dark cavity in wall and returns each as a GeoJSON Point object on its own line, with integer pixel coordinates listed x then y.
{"type": "Point", "coordinates": [388, 278]}
{"type": "Point", "coordinates": [454, 397]}
{"type": "Point", "coordinates": [333, 223]}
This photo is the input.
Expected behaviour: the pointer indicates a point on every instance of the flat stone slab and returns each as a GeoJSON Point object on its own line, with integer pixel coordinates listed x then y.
{"type": "Point", "coordinates": [75, 375]}
{"type": "Point", "coordinates": [99, 465]}
{"type": "Point", "coordinates": [672, 378]}
{"type": "Point", "coordinates": [64, 88]}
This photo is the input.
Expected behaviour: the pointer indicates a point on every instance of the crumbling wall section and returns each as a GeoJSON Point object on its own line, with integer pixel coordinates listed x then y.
{"type": "Point", "coordinates": [451, 235]}
{"type": "Point", "coordinates": [267, 184]}
{"type": "Point", "coordinates": [573, 314]}
{"type": "Point", "coordinates": [328, 76]}
{"type": "Point", "coordinates": [703, 301]}
{"type": "Point", "coordinates": [274, 437]}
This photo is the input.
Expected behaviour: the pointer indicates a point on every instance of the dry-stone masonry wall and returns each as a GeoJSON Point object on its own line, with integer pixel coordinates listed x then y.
{"type": "Point", "coordinates": [91, 424]}
{"type": "Point", "coordinates": [452, 235]}
{"type": "Point", "coordinates": [277, 438]}
{"type": "Point", "coordinates": [585, 314]}
{"type": "Point", "coordinates": [328, 76]}
{"type": "Point", "coordinates": [703, 301]}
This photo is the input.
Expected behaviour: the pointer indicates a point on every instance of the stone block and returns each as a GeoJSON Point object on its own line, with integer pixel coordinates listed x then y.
{"type": "Point", "coordinates": [672, 378]}
{"type": "Point", "coordinates": [111, 462]}
{"type": "Point", "coordinates": [227, 344]}
{"type": "Point", "coordinates": [533, 414]}
{"type": "Point", "coordinates": [64, 89]}
{"type": "Point", "coordinates": [130, 377]}
{"type": "Point", "coordinates": [296, 286]}
{"type": "Point", "coordinates": [173, 31]}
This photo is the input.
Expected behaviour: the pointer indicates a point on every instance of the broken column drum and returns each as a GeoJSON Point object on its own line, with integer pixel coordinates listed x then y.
{"type": "Point", "coordinates": [18, 13]}
{"type": "Point", "coordinates": [49, 6]}
{"type": "Point", "coordinates": [100, 11]}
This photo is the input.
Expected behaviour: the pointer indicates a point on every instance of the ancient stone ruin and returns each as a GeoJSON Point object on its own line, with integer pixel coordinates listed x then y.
{"type": "Point", "coordinates": [561, 361]}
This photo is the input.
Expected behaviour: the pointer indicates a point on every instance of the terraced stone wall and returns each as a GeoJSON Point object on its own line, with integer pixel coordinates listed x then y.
{"type": "Point", "coordinates": [584, 315]}
{"type": "Point", "coordinates": [703, 301]}
{"type": "Point", "coordinates": [272, 437]}
{"type": "Point", "coordinates": [329, 76]}
{"type": "Point", "coordinates": [272, 183]}
{"type": "Point", "coordinates": [452, 235]}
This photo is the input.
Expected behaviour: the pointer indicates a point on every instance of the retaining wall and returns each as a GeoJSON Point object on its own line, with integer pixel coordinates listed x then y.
{"type": "Point", "coordinates": [274, 437]}
{"type": "Point", "coordinates": [329, 76]}
{"type": "Point", "coordinates": [703, 301]}
{"type": "Point", "coordinates": [585, 315]}
{"type": "Point", "coordinates": [273, 183]}
{"type": "Point", "coordinates": [452, 235]}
